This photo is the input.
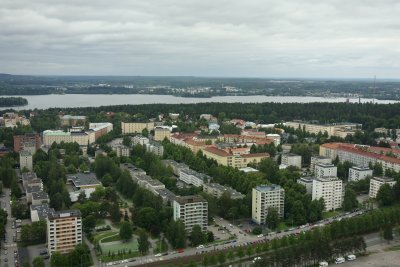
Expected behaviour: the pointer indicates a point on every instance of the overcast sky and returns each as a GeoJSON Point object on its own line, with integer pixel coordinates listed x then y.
{"type": "Point", "coordinates": [247, 38]}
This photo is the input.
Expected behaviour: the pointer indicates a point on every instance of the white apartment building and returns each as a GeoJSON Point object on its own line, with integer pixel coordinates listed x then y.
{"type": "Point", "coordinates": [275, 137]}
{"type": "Point", "coordinates": [64, 230]}
{"type": "Point", "coordinates": [121, 151]}
{"type": "Point", "coordinates": [264, 197]}
{"type": "Point", "coordinates": [218, 190]}
{"type": "Point", "coordinates": [191, 210]}
{"type": "Point", "coordinates": [325, 170]}
{"type": "Point", "coordinates": [330, 189]}
{"type": "Point", "coordinates": [25, 160]}
{"type": "Point", "coordinates": [317, 160]}
{"type": "Point", "coordinates": [136, 127]}
{"type": "Point", "coordinates": [307, 182]}
{"type": "Point", "coordinates": [140, 140]}
{"type": "Point", "coordinates": [155, 148]}
{"type": "Point", "coordinates": [192, 177]}
{"type": "Point", "coordinates": [291, 160]}
{"type": "Point", "coordinates": [376, 183]}
{"type": "Point", "coordinates": [359, 173]}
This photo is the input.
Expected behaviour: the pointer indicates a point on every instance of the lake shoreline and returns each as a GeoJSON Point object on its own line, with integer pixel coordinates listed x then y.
{"type": "Point", "coordinates": [97, 100]}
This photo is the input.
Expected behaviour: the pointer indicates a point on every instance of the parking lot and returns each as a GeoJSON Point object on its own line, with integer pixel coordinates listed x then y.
{"type": "Point", "coordinates": [382, 259]}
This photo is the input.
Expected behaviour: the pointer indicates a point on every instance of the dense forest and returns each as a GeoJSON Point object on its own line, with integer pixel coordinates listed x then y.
{"type": "Point", "coordinates": [368, 114]}
{"type": "Point", "coordinates": [12, 101]}
{"type": "Point", "coordinates": [181, 86]}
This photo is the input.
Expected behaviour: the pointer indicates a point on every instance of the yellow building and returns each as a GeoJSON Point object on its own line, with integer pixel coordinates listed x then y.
{"type": "Point", "coordinates": [162, 132]}
{"type": "Point", "coordinates": [338, 129]}
{"type": "Point", "coordinates": [228, 159]}
{"type": "Point", "coordinates": [136, 127]}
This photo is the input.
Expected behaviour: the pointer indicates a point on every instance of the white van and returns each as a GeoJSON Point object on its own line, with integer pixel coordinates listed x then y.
{"type": "Point", "coordinates": [351, 257]}
{"type": "Point", "coordinates": [323, 264]}
{"type": "Point", "coordinates": [340, 260]}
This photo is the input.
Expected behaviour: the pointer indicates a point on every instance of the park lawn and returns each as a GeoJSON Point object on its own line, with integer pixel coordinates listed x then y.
{"type": "Point", "coordinates": [120, 246]}
{"type": "Point", "coordinates": [100, 222]}
{"type": "Point", "coordinates": [101, 235]}
{"type": "Point", "coordinates": [394, 248]}
{"type": "Point", "coordinates": [106, 258]}
{"type": "Point", "coordinates": [112, 238]}
{"type": "Point", "coordinates": [329, 214]}
{"type": "Point", "coordinates": [282, 226]}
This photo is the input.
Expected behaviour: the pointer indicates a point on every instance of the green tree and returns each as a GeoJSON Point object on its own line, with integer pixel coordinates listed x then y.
{"type": "Point", "coordinates": [57, 259]}
{"type": "Point", "coordinates": [176, 234]}
{"type": "Point", "coordinates": [89, 223]}
{"type": "Point", "coordinates": [143, 242]}
{"type": "Point", "coordinates": [385, 195]}
{"type": "Point", "coordinates": [272, 219]}
{"type": "Point", "coordinates": [125, 231]}
{"type": "Point", "coordinates": [388, 233]}
{"type": "Point", "coordinates": [115, 212]}
{"type": "Point", "coordinates": [350, 200]}
{"type": "Point", "coordinates": [197, 237]}
{"type": "Point", "coordinates": [221, 258]}
{"type": "Point", "coordinates": [38, 262]}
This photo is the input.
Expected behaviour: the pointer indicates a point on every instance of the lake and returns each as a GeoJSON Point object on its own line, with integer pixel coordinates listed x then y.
{"type": "Point", "coordinates": [82, 100]}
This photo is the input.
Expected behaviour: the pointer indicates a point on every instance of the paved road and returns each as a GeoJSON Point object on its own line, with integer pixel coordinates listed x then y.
{"type": "Point", "coordinates": [10, 246]}
{"type": "Point", "coordinates": [241, 240]}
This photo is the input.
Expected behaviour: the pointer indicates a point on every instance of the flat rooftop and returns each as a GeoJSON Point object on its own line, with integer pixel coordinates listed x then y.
{"type": "Point", "coordinates": [64, 214]}
{"type": "Point", "coordinates": [190, 199]}
{"type": "Point", "coordinates": [40, 195]}
{"type": "Point", "coordinates": [383, 179]}
{"type": "Point", "coordinates": [266, 188]}
{"type": "Point", "coordinates": [198, 175]}
{"type": "Point", "coordinates": [361, 168]}
{"type": "Point", "coordinates": [43, 210]}
{"type": "Point", "coordinates": [33, 188]}
{"type": "Point", "coordinates": [83, 179]}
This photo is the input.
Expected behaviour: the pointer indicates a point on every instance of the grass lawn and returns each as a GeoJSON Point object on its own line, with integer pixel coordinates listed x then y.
{"type": "Point", "coordinates": [328, 214]}
{"type": "Point", "coordinates": [106, 258]}
{"type": "Point", "coordinates": [101, 235]}
{"type": "Point", "coordinates": [111, 238]}
{"type": "Point", "coordinates": [394, 248]}
{"type": "Point", "coordinates": [100, 222]}
{"type": "Point", "coordinates": [120, 246]}
{"type": "Point", "coordinates": [282, 226]}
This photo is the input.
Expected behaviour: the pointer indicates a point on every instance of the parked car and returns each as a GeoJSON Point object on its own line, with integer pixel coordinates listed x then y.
{"type": "Point", "coordinates": [351, 257]}
{"type": "Point", "coordinates": [340, 260]}
{"type": "Point", "coordinates": [200, 247]}
{"type": "Point", "coordinates": [323, 264]}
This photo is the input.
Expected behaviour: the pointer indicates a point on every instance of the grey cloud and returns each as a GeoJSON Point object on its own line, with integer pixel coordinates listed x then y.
{"type": "Point", "coordinates": [308, 38]}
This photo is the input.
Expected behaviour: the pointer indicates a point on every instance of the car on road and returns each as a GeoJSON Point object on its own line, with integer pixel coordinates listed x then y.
{"type": "Point", "coordinates": [323, 264]}
{"type": "Point", "coordinates": [158, 255]}
{"type": "Point", "coordinates": [256, 259]}
{"type": "Point", "coordinates": [260, 236]}
{"type": "Point", "coordinates": [340, 260]}
{"type": "Point", "coordinates": [200, 247]}
{"type": "Point", "coordinates": [351, 257]}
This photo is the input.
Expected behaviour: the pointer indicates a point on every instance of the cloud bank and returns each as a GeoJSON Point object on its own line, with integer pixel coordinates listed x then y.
{"type": "Point", "coordinates": [252, 38]}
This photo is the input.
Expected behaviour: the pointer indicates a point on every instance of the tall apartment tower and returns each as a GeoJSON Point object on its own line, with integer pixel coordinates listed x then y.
{"type": "Point", "coordinates": [191, 210]}
{"type": "Point", "coordinates": [330, 189]}
{"type": "Point", "coordinates": [64, 230]}
{"type": "Point", "coordinates": [265, 196]}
